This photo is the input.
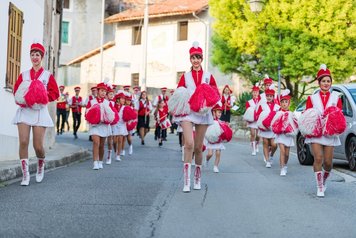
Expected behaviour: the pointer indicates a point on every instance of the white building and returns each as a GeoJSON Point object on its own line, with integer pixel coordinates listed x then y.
{"type": "Point", "coordinates": [173, 26]}
{"type": "Point", "coordinates": [22, 22]}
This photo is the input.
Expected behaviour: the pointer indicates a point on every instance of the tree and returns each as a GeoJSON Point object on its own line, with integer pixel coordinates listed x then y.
{"type": "Point", "coordinates": [298, 34]}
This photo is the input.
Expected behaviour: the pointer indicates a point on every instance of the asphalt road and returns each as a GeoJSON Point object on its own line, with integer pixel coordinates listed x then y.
{"type": "Point", "coordinates": [141, 197]}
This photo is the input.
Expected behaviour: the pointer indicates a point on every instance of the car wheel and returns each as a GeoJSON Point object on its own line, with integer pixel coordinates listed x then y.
{"type": "Point", "coordinates": [351, 153]}
{"type": "Point", "coordinates": [304, 155]}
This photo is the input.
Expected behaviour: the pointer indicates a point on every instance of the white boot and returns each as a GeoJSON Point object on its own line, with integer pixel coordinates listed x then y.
{"type": "Point", "coordinates": [96, 165]}
{"type": "Point", "coordinates": [130, 150]}
{"type": "Point", "coordinates": [186, 177]}
{"type": "Point", "coordinates": [40, 170]}
{"type": "Point", "coordinates": [197, 177]}
{"type": "Point", "coordinates": [253, 145]}
{"type": "Point", "coordinates": [118, 158]}
{"type": "Point", "coordinates": [100, 164]}
{"type": "Point", "coordinates": [122, 153]}
{"type": "Point", "coordinates": [25, 172]}
{"type": "Point", "coordinates": [326, 175]}
{"type": "Point", "coordinates": [256, 146]}
{"type": "Point", "coordinates": [108, 159]}
{"type": "Point", "coordinates": [319, 184]}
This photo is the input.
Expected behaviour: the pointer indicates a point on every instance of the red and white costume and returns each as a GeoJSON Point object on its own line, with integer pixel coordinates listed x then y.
{"type": "Point", "coordinates": [321, 101]}
{"type": "Point", "coordinates": [162, 118]}
{"type": "Point", "coordinates": [267, 107]}
{"type": "Point", "coordinates": [36, 116]}
{"type": "Point", "coordinates": [283, 138]}
{"type": "Point", "coordinates": [253, 104]}
{"type": "Point", "coordinates": [191, 80]}
{"type": "Point", "coordinates": [101, 129]}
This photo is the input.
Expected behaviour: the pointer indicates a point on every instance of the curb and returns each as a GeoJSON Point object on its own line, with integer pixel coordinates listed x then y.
{"type": "Point", "coordinates": [13, 172]}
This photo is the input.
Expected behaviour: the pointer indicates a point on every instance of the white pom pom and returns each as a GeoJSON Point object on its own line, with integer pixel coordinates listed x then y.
{"type": "Point", "coordinates": [249, 115]}
{"type": "Point", "coordinates": [178, 103]}
{"type": "Point", "coordinates": [213, 133]}
{"type": "Point", "coordinates": [285, 92]}
{"type": "Point", "coordinates": [266, 76]}
{"type": "Point", "coordinates": [261, 118]}
{"type": "Point", "coordinates": [196, 44]}
{"type": "Point", "coordinates": [21, 92]}
{"type": "Point", "coordinates": [323, 66]}
{"type": "Point", "coordinates": [271, 87]}
{"type": "Point", "coordinates": [257, 84]}
{"type": "Point", "coordinates": [310, 123]}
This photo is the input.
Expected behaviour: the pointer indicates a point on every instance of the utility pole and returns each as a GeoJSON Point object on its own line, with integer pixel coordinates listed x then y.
{"type": "Point", "coordinates": [144, 46]}
{"type": "Point", "coordinates": [102, 39]}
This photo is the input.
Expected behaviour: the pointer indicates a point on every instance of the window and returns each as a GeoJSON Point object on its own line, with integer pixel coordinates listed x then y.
{"type": "Point", "coordinates": [182, 31]}
{"type": "Point", "coordinates": [136, 35]}
{"type": "Point", "coordinates": [179, 75]}
{"type": "Point", "coordinates": [135, 79]}
{"type": "Point", "coordinates": [65, 32]}
{"type": "Point", "coordinates": [66, 4]}
{"type": "Point", "coordinates": [14, 44]}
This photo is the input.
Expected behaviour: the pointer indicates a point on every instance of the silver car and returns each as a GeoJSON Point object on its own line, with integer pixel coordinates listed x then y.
{"type": "Point", "coordinates": [347, 149]}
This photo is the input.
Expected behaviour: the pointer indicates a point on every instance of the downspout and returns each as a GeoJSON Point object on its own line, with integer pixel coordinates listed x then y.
{"type": "Point", "coordinates": [206, 64]}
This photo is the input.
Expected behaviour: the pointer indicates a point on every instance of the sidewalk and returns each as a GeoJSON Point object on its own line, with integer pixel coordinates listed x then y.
{"type": "Point", "coordinates": [61, 154]}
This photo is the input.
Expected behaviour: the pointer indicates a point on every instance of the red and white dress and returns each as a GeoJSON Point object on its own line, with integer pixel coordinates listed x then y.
{"type": "Point", "coordinates": [252, 103]}
{"type": "Point", "coordinates": [191, 80]}
{"type": "Point", "coordinates": [321, 101]}
{"type": "Point", "coordinates": [120, 127]}
{"type": "Point", "coordinates": [101, 129]}
{"type": "Point", "coordinates": [285, 139]}
{"type": "Point", "coordinates": [267, 107]}
{"type": "Point", "coordinates": [38, 116]}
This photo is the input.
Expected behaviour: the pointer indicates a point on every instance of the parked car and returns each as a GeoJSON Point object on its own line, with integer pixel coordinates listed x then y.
{"type": "Point", "coordinates": [347, 149]}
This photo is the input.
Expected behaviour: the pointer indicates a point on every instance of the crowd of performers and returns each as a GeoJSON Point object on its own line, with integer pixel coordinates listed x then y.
{"type": "Point", "coordinates": [196, 108]}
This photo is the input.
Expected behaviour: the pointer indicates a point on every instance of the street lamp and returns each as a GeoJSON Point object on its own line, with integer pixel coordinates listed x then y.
{"type": "Point", "coordinates": [256, 7]}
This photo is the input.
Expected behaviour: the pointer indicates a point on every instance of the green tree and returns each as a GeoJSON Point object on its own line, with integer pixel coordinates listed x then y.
{"type": "Point", "coordinates": [300, 34]}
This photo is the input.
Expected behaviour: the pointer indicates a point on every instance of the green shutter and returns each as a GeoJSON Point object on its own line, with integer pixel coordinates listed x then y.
{"type": "Point", "coordinates": [65, 29]}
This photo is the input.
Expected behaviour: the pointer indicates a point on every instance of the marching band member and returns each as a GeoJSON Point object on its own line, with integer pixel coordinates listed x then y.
{"type": "Point", "coordinates": [121, 125]}
{"type": "Point", "coordinates": [321, 123]}
{"type": "Point", "coordinates": [161, 116]}
{"type": "Point", "coordinates": [265, 113]}
{"type": "Point", "coordinates": [76, 103]}
{"type": "Point", "coordinates": [94, 94]}
{"type": "Point", "coordinates": [33, 90]}
{"type": "Point", "coordinates": [197, 84]}
{"type": "Point", "coordinates": [163, 97]}
{"type": "Point", "coordinates": [267, 82]}
{"type": "Point", "coordinates": [111, 141]}
{"type": "Point", "coordinates": [144, 110]}
{"type": "Point", "coordinates": [128, 103]}
{"type": "Point", "coordinates": [100, 114]}
{"type": "Point", "coordinates": [227, 102]}
{"type": "Point", "coordinates": [285, 127]}
{"type": "Point", "coordinates": [61, 110]}
{"type": "Point", "coordinates": [249, 116]}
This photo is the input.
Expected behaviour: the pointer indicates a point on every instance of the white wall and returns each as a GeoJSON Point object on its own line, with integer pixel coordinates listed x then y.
{"type": "Point", "coordinates": [32, 29]}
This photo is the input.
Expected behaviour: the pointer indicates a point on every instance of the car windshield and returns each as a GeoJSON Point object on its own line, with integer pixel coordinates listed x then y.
{"type": "Point", "coordinates": [353, 93]}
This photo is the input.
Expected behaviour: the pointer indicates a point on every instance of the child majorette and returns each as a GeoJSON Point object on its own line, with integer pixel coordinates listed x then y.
{"type": "Point", "coordinates": [217, 134]}
{"type": "Point", "coordinates": [162, 120]}
{"type": "Point", "coordinates": [249, 117]}
{"type": "Point", "coordinates": [129, 125]}
{"type": "Point", "coordinates": [100, 114]}
{"type": "Point", "coordinates": [267, 82]}
{"type": "Point", "coordinates": [144, 109]}
{"type": "Point", "coordinates": [227, 101]}
{"type": "Point", "coordinates": [163, 97]}
{"type": "Point", "coordinates": [265, 113]}
{"type": "Point", "coordinates": [111, 138]}
{"type": "Point", "coordinates": [321, 123]}
{"type": "Point", "coordinates": [191, 105]}
{"type": "Point", "coordinates": [285, 127]}
{"type": "Point", "coordinates": [33, 90]}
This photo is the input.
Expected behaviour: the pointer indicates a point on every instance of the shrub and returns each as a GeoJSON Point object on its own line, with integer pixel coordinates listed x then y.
{"type": "Point", "coordinates": [241, 103]}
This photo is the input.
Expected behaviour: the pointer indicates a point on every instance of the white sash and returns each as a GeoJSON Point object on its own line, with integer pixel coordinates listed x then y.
{"type": "Point", "coordinates": [318, 104]}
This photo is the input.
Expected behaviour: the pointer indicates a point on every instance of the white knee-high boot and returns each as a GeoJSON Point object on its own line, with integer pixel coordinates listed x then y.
{"type": "Point", "coordinates": [197, 177]}
{"type": "Point", "coordinates": [25, 172]}
{"type": "Point", "coordinates": [253, 145]}
{"type": "Point", "coordinates": [186, 177]}
{"type": "Point", "coordinates": [40, 169]}
{"type": "Point", "coordinates": [319, 184]}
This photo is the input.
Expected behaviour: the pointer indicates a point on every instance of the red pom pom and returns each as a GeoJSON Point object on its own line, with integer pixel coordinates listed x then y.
{"type": "Point", "coordinates": [116, 118]}
{"type": "Point", "coordinates": [131, 124]}
{"type": "Point", "coordinates": [268, 120]}
{"type": "Point", "coordinates": [334, 121]}
{"type": "Point", "coordinates": [204, 98]}
{"type": "Point", "coordinates": [278, 123]}
{"type": "Point", "coordinates": [129, 114]}
{"type": "Point", "coordinates": [93, 115]}
{"type": "Point", "coordinates": [226, 136]}
{"type": "Point", "coordinates": [36, 94]}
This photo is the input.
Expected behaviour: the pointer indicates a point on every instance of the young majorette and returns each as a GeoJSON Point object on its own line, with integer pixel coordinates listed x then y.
{"type": "Point", "coordinates": [218, 145]}
{"type": "Point", "coordinates": [249, 116]}
{"type": "Point", "coordinates": [111, 139]}
{"type": "Point", "coordinates": [265, 113]}
{"type": "Point", "coordinates": [100, 114]}
{"type": "Point", "coordinates": [120, 129]}
{"type": "Point", "coordinates": [33, 90]}
{"type": "Point", "coordinates": [161, 116]}
{"type": "Point", "coordinates": [323, 107]}
{"type": "Point", "coordinates": [227, 101]}
{"type": "Point", "coordinates": [128, 137]}
{"type": "Point", "coordinates": [199, 89]}
{"type": "Point", "coordinates": [144, 109]}
{"type": "Point", "coordinates": [285, 127]}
